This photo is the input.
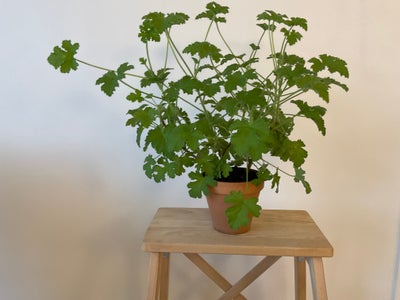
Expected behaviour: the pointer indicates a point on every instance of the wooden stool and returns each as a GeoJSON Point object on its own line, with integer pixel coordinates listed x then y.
{"type": "Point", "coordinates": [274, 234]}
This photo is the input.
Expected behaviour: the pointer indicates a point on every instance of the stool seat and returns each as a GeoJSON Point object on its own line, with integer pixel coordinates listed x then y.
{"type": "Point", "coordinates": [274, 234]}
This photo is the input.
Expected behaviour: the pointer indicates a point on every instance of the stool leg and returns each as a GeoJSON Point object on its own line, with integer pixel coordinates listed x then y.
{"type": "Point", "coordinates": [163, 274]}
{"type": "Point", "coordinates": [300, 278]}
{"type": "Point", "coordinates": [317, 278]}
{"type": "Point", "coordinates": [153, 283]}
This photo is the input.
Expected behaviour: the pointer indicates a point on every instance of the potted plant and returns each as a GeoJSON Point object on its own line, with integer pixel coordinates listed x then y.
{"type": "Point", "coordinates": [217, 114]}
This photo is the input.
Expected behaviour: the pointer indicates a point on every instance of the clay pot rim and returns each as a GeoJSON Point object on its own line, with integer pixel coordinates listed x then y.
{"type": "Point", "coordinates": [223, 187]}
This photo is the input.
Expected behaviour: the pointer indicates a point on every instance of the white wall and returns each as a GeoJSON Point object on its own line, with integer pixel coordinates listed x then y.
{"type": "Point", "coordinates": [74, 202]}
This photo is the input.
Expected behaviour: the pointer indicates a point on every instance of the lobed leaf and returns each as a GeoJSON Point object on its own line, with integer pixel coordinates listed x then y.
{"type": "Point", "coordinates": [143, 116]}
{"type": "Point", "coordinates": [204, 49]}
{"type": "Point", "coordinates": [332, 63]}
{"type": "Point", "coordinates": [238, 213]}
{"type": "Point", "coordinates": [155, 24]}
{"type": "Point", "coordinates": [199, 184]}
{"type": "Point", "coordinates": [151, 77]}
{"type": "Point", "coordinates": [63, 57]}
{"type": "Point", "coordinates": [135, 96]}
{"type": "Point", "coordinates": [250, 138]}
{"type": "Point", "coordinates": [314, 113]}
{"type": "Point", "coordinates": [300, 177]}
{"type": "Point", "coordinates": [292, 36]}
{"type": "Point", "coordinates": [213, 12]}
{"type": "Point", "coordinates": [110, 80]}
{"type": "Point", "coordinates": [275, 181]}
{"type": "Point", "coordinates": [286, 150]}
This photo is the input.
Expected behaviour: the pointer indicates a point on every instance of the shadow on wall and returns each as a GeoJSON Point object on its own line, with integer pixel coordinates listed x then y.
{"type": "Point", "coordinates": [66, 232]}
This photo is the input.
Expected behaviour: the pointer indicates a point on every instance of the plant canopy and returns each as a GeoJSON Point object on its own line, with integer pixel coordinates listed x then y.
{"type": "Point", "coordinates": [206, 109]}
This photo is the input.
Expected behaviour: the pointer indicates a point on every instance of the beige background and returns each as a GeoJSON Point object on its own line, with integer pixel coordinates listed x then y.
{"type": "Point", "coordinates": [74, 202]}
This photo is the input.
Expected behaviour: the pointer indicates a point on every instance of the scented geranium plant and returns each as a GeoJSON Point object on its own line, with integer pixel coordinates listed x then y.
{"type": "Point", "coordinates": [206, 109]}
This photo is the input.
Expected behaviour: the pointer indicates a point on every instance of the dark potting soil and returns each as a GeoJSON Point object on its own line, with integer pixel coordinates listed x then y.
{"type": "Point", "coordinates": [239, 175]}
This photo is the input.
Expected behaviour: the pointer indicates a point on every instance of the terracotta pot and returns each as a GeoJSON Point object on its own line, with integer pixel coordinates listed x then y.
{"type": "Point", "coordinates": [217, 206]}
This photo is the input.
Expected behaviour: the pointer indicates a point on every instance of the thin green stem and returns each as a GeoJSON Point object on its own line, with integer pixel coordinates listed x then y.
{"type": "Point", "coordinates": [208, 30]}
{"type": "Point", "coordinates": [178, 56]}
{"type": "Point", "coordinates": [277, 168]}
{"type": "Point", "coordinates": [106, 69]}
{"type": "Point", "coordinates": [148, 57]}
{"type": "Point", "coordinates": [226, 43]}
{"type": "Point", "coordinates": [291, 96]}
{"type": "Point", "coordinates": [166, 55]}
{"type": "Point", "coordinates": [143, 92]}
{"type": "Point", "coordinates": [272, 47]}
{"type": "Point", "coordinates": [254, 52]}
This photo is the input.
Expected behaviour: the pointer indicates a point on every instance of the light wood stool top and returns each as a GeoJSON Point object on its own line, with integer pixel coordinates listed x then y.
{"type": "Point", "coordinates": [274, 234]}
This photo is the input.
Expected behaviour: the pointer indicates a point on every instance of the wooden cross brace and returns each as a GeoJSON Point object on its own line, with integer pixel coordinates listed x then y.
{"type": "Point", "coordinates": [232, 291]}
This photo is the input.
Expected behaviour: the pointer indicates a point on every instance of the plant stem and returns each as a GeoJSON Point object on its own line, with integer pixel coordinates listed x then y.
{"type": "Point", "coordinates": [178, 56]}
{"type": "Point", "coordinates": [277, 168]}
{"type": "Point", "coordinates": [272, 47]}
{"type": "Point", "coordinates": [254, 52]}
{"type": "Point", "coordinates": [226, 44]}
{"type": "Point", "coordinates": [105, 69]}
{"type": "Point", "coordinates": [291, 96]}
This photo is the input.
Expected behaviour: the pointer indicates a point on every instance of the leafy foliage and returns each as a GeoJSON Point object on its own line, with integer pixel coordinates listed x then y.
{"type": "Point", "coordinates": [63, 57]}
{"type": "Point", "coordinates": [206, 109]}
{"type": "Point", "coordinates": [110, 80]}
{"type": "Point", "coordinates": [240, 209]}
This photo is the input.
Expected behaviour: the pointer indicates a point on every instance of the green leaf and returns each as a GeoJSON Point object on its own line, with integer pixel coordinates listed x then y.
{"type": "Point", "coordinates": [265, 26]}
{"type": "Point", "coordinates": [188, 84]}
{"type": "Point", "coordinates": [150, 77]}
{"type": "Point", "coordinates": [269, 15]}
{"type": "Point", "coordinates": [300, 177]}
{"type": "Point", "coordinates": [292, 36]}
{"type": "Point", "coordinates": [165, 140]}
{"type": "Point", "coordinates": [238, 213]}
{"type": "Point", "coordinates": [110, 80]}
{"type": "Point", "coordinates": [250, 138]}
{"type": "Point", "coordinates": [263, 174]}
{"type": "Point", "coordinates": [254, 47]}
{"type": "Point", "coordinates": [191, 136]}
{"type": "Point", "coordinates": [162, 167]}
{"type": "Point", "coordinates": [204, 49]}
{"type": "Point", "coordinates": [64, 58]}
{"type": "Point", "coordinates": [175, 19]}
{"type": "Point", "coordinates": [335, 64]}
{"type": "Point", "coordinates": [171, 93]}
{"type": "Point", "coordinates": [175, 137]}
{"type": "Point", "coordinates": [153, 170]}
{"type": "Point", "coordinates": [275, 181]}
{"type": "Point", "coordinates": [155, 138]}
{"type": "Point", "coordinates": [213, 11]}
{"type": "Point", "coordinates": [210, 88]}
{"type": "Point", "coordinates": [233, 81]}
{"type": "Point", "coordinates": [237, 79]}
{"type": "Point", "coordinates": [207, 163]}
{"type": "Point", "coordinates": [135, 96]}
{"type": "Point", "coordinates": [199, 184]}
{"type": "Point", "coordinates": [296, 21]}
{"type": "Point", "coordinates": [228, 104]}
{"type": "Point", "coordinates": [122, 69]}
{"type": "Point", "coordinates": [290, 150]}
{"type": "Point", "coordinates": [314, 113]}
{"type": "Point", "coordinates": [152, 27]}
{"type": "Point", "coordinates": [251, 98]}
{"type": "Point", "coordinates": [319, 85]}
{"type": "Point", "coordinates": [156, 23]}
{"type": "Point", "coordinates": [142, 116]}
{"type": "Point", "coordinates": [316, 64]}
